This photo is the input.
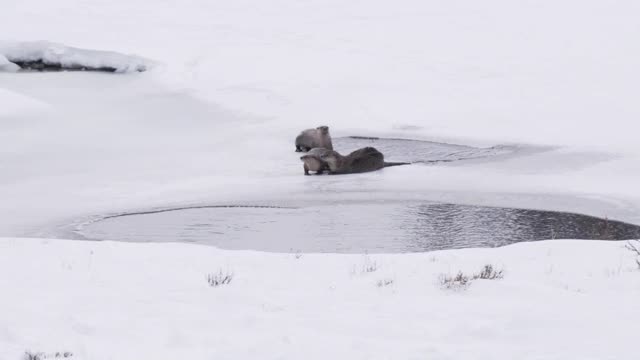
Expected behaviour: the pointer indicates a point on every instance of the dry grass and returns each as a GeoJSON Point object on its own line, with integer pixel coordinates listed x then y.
{"type": "Point", "coordinates": [31, 355]}
{"type": "Point", "coordinates": [461, 281]}
{"type": "Point", "coordinates": [219, 278]}
{"type": "Point", "coordinates": [384, 282]}
{"type": "Point", "coordinates": [634, 247]}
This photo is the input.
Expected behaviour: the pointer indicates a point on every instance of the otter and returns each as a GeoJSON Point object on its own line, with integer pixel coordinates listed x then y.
{"type": "Point", "coordinates": [362, 160]}
{"type": "Point", "coordinates": [314, 138]}
{"type": "Point", "coordinates": [313, 162]}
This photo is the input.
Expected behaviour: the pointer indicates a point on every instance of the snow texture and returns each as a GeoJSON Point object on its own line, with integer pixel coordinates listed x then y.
{"type": "Point", "coordinates": [106, 300]}
{"type": "Point", "coordinates": [67, 57]}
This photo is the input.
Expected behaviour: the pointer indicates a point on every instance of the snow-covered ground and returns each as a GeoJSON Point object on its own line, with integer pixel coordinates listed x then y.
{"type": "Point", "coordinates": [214, 122]}
{"type": "Point", "coordinates": [105, 300]}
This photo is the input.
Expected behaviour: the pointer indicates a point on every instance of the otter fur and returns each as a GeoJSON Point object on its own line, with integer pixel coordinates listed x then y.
{"type": "Point", "coordinates": [362, 160]}
{"type": "Point", "coordinates": [314, 138]}
{"type": "Point", "coordinates": [313, 162]}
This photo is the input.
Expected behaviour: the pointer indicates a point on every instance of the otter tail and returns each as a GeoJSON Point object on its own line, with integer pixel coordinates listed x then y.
{"type": "Point", "coordinates": [387, 164]}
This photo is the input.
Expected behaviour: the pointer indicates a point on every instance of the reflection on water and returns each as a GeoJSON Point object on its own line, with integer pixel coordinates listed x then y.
{"type": "Point", "coordinates": [360, 227]}
{"type": "Point", "coordinates": [444, 226]}
{"type": "Point", "coordinates": [378, 227]}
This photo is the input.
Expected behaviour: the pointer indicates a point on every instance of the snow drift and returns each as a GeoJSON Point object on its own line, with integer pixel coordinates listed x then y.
{"type": "Point", "coordinates": [6, 65]}
{"type": "Point", "coordinates": [43, 55]}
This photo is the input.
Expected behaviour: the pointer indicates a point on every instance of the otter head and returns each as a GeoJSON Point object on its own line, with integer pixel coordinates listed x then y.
{"type": "Point", "coordinates": [323, 129]}
{"type": "Point", "coordinates": [332, 159]}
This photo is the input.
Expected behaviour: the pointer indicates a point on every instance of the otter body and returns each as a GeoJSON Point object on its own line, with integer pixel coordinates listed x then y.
{"type": "Point", "coordinates": [313, 161]}
{"type": "Point", "coordinates": [362, 160]}
{"type": "Point", "coordinates": [314, 138]}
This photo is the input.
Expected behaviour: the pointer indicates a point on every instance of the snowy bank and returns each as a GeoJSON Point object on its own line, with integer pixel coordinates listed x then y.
{"type": "Point", "coordinates": [43, 55]}
{"type": "Point", "coordinates": [109, 300]}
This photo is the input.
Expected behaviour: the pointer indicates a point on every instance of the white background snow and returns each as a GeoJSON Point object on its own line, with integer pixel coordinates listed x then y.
{"type": "Point", "coordinates": [214, 121]}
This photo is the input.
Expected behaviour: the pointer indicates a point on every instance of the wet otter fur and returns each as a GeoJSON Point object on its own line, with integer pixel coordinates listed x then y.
{"type": "Point", "coordinates": [313, 162]}
{"type": "Point", "coordinates": [362, 160]}
{"type": "Point", "coordinates": [314, 138]}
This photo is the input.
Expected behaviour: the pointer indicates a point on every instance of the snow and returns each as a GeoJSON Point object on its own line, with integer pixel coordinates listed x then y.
{"type": "Point", "coordinates": [15, 104]}
{"type": "Point", "coordinates": [6, 65]}
{"type": "Point", "coordinates": [106, 300]}
{"type": "Point", "coordinates": [68, 57]}
{"type": "Point", "coordinates": [215, 124]}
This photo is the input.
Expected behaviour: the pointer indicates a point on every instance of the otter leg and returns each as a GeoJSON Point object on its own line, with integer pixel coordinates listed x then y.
{"type": "Point", "coordinates": [306, 169]}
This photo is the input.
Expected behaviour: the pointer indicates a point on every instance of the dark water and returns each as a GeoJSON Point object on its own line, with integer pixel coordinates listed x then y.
{"type": "Point", "coordinates": [419, 150]}
{"type": "Point", "coordinates": [356, 227]}
{"type": "Point", "coordinates": [41, 66]}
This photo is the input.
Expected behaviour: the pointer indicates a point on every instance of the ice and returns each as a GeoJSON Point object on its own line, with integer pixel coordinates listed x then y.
{"type": "Point", "coordinates": [119, 144]}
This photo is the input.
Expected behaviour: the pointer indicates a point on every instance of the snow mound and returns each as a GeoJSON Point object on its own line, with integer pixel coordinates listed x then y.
{"type": "Point", "coordinates": [6, 65]}
{"type": "Point", "coordinates": [44, 55]}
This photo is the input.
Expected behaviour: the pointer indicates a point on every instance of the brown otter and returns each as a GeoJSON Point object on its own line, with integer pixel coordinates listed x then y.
{"type": "Point", "coordinates": [314, 138]}
{"type": "Point", "coordinates": [313, 162]}
{"type": "Point", "coordinates": [361, 160]}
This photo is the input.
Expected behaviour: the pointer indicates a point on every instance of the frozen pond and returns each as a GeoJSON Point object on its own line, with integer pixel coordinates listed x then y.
{"type": "Point", "coordinates": [355, 227]}
{"type": "Point", "coordinates": [194, 152]}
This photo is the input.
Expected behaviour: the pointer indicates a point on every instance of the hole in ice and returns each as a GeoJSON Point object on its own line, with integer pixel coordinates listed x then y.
{"type": "Point", "coordinates": [355, 227]}
{"type": "Point", "coordinates": [43, 65]}
{"type": "Point", "coordinates": [420, 150]}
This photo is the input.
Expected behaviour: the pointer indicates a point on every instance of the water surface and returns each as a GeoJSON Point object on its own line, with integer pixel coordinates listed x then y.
{"type": "Point", "coordinates": [390, 227]}
{"type": "Point", "coordinates": [421, 151]}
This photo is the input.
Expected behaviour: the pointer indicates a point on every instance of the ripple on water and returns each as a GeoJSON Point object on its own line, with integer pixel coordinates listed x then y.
{"type": "Point", "coordinates": [419, 150]}
{"type": "Point", "coordinates": [347, 228]}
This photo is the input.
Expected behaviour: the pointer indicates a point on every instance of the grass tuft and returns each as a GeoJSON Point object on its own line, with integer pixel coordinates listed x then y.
{"type": "Point", "coordinates": [219, 278]}
{"type": "Point", "coordinates": [462, 281]}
